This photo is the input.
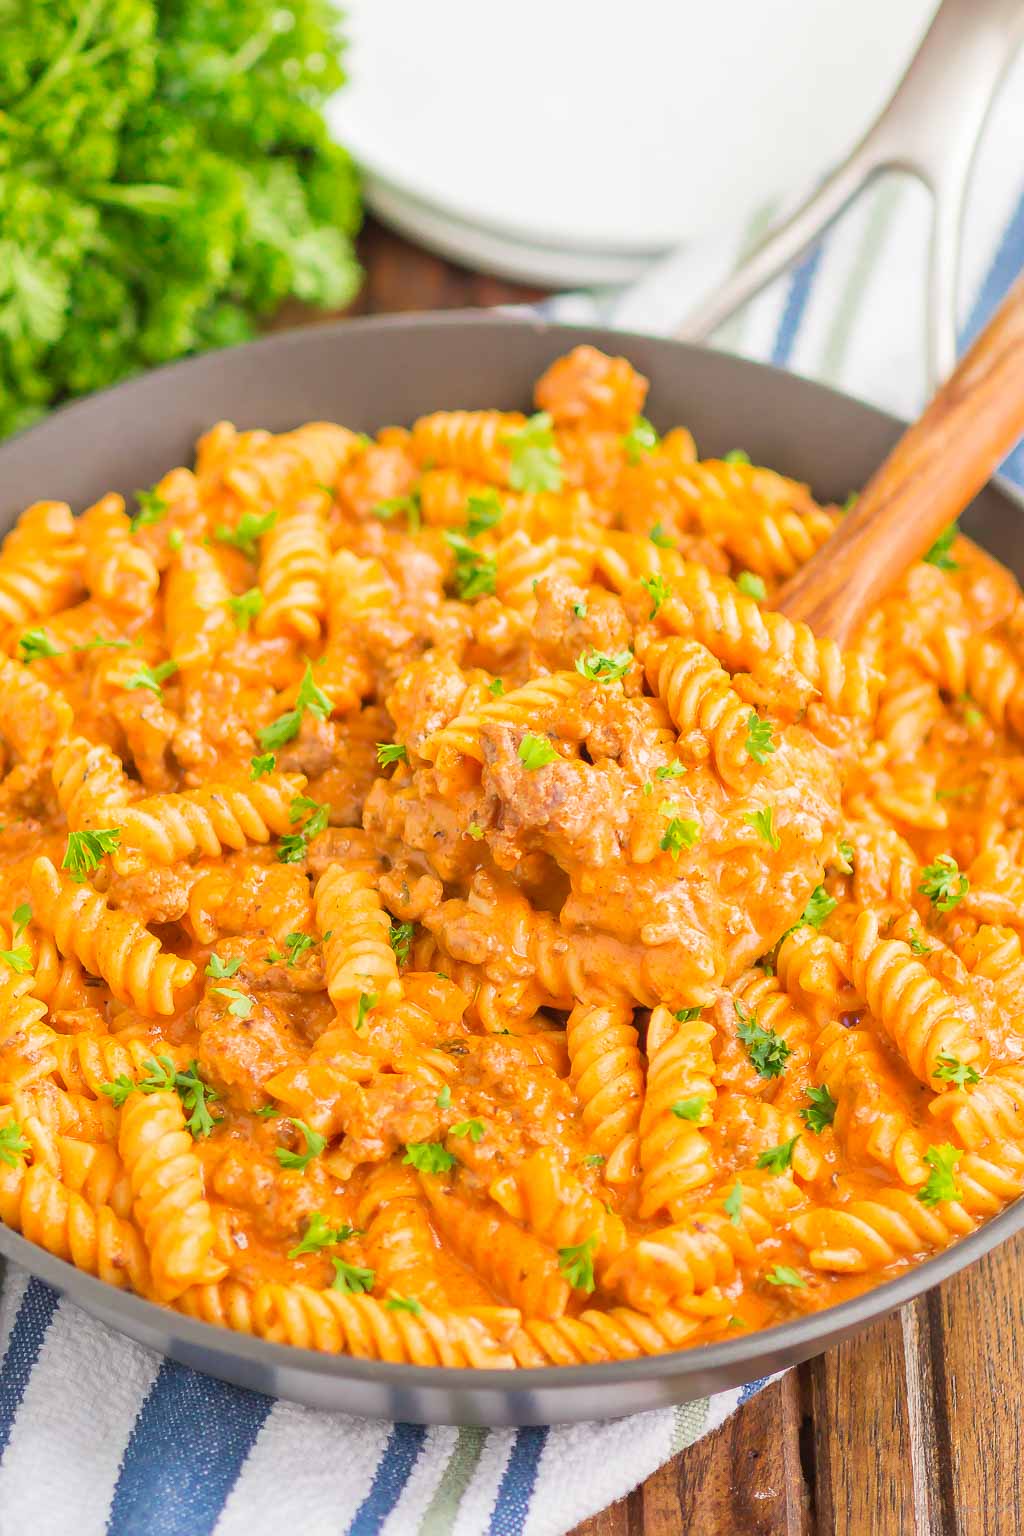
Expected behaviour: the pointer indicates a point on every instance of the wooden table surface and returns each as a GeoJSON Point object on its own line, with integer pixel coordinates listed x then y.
{"type": "Point", "coordinates": [913, 1428]}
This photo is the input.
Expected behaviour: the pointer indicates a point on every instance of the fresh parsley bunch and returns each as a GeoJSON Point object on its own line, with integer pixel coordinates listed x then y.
{"type": "Point", "coordinates": [165, 178]}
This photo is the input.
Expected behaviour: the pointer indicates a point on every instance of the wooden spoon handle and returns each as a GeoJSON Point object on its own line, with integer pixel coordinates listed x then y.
{"type": "Point", "coordinates": [936, 468]}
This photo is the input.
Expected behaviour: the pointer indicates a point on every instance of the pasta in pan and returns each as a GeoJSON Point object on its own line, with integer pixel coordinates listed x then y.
{"type": "Point", "coordinates": [447, 916]}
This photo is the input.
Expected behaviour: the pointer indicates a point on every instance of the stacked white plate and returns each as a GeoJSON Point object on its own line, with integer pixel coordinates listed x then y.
{"type": "Point", "coordinates": [573, 141]}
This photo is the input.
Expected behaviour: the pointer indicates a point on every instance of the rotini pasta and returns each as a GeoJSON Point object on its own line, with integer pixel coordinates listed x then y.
{"type": "Point", "coordinates": [446, 916]}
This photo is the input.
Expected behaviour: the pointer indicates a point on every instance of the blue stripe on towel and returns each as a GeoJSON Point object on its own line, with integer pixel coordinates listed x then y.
{"type": "Point", "coordinates": [393, 1472]}
{"type": "Point", "coordinates": [513, 1502]}
{"type": "Point", "coordinates": [186, 1450]}
{"type": "Point", "coordinates": [797, 299]}
{"type": "Point", "coordinates": [35, 1314]}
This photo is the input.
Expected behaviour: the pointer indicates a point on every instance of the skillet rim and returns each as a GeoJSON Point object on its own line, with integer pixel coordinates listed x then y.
{"type": "Point", "coordinates": [206, 1343]}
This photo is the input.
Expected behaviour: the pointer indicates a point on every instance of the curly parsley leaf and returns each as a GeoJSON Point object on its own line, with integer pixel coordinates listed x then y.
{"type": "Point", "coordinates": [535, 463]}
{"type": "Point", "coordinates": [265, 763]}
{"type": "Point", "coordinates": [37, 643]}
{"type": "Point", "coordinates": [939, 554]}
{"type": "Point", "coordinates": [759, 744]}
{"type": "Point", "coordinates": [950, 1069]}
{"type": "Point", "coordinates": [535, 752]}
{"type": "Point", "coordinates": [783, 1274]}
{"type": "Point", "coordinates": [152, 678]}
{"type": "Point", "coordinates": [763, 824]}
{"type": "Point", "coordinates": [752, 585]}
{"type": "Point", "coordinates": [85, 851]}
{"type": "Point", "coordinates": [474, 1129]}
{"type": "Point", "coordinates": [943, 883]}
{"type": "Point", "coordinates": [351, 1277]}
{"type": "Point", "coordinates": [679, 834]}
{"type": "Point", "coordinates": [245, 608]}
{"type": "Point", "coordinates": [733, 1204]}
{"type": "Point", "coordinates": [240, 1004]}
{"type": "Point", "coordinates": [475, 574]}
{"type": "Point", "coordinates": [152, 509]}
{"type": "Point", "coordinates": [821, 1111]}
{"type": "Point", "coordinates": [598, 667]}
{"type": "Point", "coordinates": [941, 1183]}
{"type": "Point", "coordinates": [577, 1263]}
{"type": "Point", "coordinates": [777, 1159]}
{"type": "Point", "coordinates": [222, 970]}
{"type": "Point", "coordinates": [659, 591]}
{"type": "Point", "coordinates": [428, 1157]}
{"type": "Point", "coordinates": [389, 752]}
{"type": "Point", "coordinates": [689, 1109]}
{"type": "Point", "coordinates": [483, 511]}
{"type": "Point", "coordinates": [12, 1144]}
{"type": "Point", "coordinates": [639, 440]}
{"type": "Point", "coordinates": [247, 532]}
{"type": "Point", "coordinates": [768, 1052]}
{"type": "Point", "coordinates": [285, 728]}
{"type": "Point", "coordinates": [315, 1144]}
{"type": "Point", "coordinates": [401, 940]}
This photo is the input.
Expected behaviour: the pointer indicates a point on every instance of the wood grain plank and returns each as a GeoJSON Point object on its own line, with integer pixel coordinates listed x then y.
{"type": "Point", "coordinates": [746, 1477]}
{"type": "Point", "coordinates": [866, 1477]}
{"type": "Point", "coordinates": [978, 1359]}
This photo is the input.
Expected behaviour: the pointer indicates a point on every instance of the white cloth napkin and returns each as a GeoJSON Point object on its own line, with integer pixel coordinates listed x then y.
{"type": "Point", "coordinates": [100, 1437]}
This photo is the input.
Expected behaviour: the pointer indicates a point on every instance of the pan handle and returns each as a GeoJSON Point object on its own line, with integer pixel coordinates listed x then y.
{"type": "Point", "coordinates": [929, 129]}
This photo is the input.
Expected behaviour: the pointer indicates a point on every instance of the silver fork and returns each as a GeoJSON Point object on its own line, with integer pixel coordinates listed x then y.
{"type": "Point", "coordinates": [929, 129]}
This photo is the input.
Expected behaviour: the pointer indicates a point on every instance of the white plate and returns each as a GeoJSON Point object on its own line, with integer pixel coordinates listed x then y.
{"type": "Point", "coordinates": [605, 127]}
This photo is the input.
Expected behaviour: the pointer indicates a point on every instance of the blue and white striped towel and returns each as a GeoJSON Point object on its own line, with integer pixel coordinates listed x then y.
{"type": "Point", "coordinates": [98, 1435]}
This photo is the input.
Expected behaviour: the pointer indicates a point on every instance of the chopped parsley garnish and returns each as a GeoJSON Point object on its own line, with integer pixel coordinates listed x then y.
{"type": "Point", "coordinates": [152, 678]}
{"type": "Point", "coordinates": [222, 970]}
{"type": "Point", "coordinates": [658, 590]}
{"type": "Point", "coordinates": [777, 1159]}
{"type": "Point", "coordinates": [943, 883]}
{"type": "Point", "coordinates": [367, 1001]}
{"type": "Point", "coordinates": [351, 1277]}
{"type": "Point", "coordinates": [246, 532]}
{"type": "Point", "coordinates": [286, 727]}
{"type": "Point", "coordinates": [496, 686]}
{"type": "Point", "coordinates": [939, 554]}
{"type": "Point", "coordinates": [12, 1144]}
{"type": "Point", "coordinates": [315, 1144]}
{"type": "Point", "coordinates": [599, 667]}
{"type": "Point", "coordinates": [752, 585]}
{"type": "Point", "coordinates": [672, 770]}
{"type": "Point", "coordinates": [319, 1235]}
{"type": "Point", "coordinates": [404, 1304]}
{"type": "Point", "coordinates": [246, 608]}
{"type": "Point", "coordinates": [759, 742]}
{"type": "Point", "coordinates": [444, 1098]}
{"type": "Point", "coordinates": [640, 439]}
{"type": "Point", "coordinates": [297, 944]}
{"type": "Point", "coordinates": [951, 1070]}
{"type": "Point", "coordinates": [391, 752]}
{"type": "Point", "coordinates": [410, 505]}
{"type": "Point", "coordinates": [763, 825]}
{"type": "Point", "coordinates": [19, 957]}
{"type": "Point", "coordinates": [401, 940]}
{"type": "Point", "coordinates": [428, 1157]}
{"type": "Point", "coordinates": [679, 834]}
{"type": "Point", "coordinates": [658, 536]}
{"type": "Point", "coordinates": [175, 540]}
{"type": "Point", "coordinates": [844, 857]}
{"type": "Point", "coordinates": [594, 1160]}
{"type": "Point", "coordinates": [917, 944]}
{"type": "Point", "coordinates": [821, 1111]}
{"type": "Point", "coordinates": [687, 1015]}
{"type": "Point", "coordinates": [97, 643]}
{"type": "Point", "coordinates": [733, 1203]}
{"type": "Point", "coordinates": [577, 1263]}
{"type": "Point", "coordinates": [292, 848]}
{"type": "Point", "coordinates": [941, 1183]}
{"type": "Point", "coordinates": [240, 1004]}
{"type": "Point", "coordinates": [161, 1076]}
{"type": "Point", "coordinates": [817, 909]}
{"type": "Point", "coordinates": [152, 509]}
{"type": "Point", "coordinates": [475, 574]}
{"type": "Point", "coordinates": [768, 1051]}
{"type": "Point", "coordinates": [535, 463]}
{"type": "Point", "coordinates": [85, 850]}
{"type": "Point", "coordinates": [736, 456]}
{"type": "Point", "coordinates": [580, 609]}
{"type": "Point", "coordinates": [475, 831]}
{"type": "Point", "coordinates": [535, 752]}
{"type": "Point", "coordinates": [266, 762]}
{"type": "Point", "coordinates": [474, 1129]}
{"type": "Point", "coordinates": [782, 1274]}
{"type": "Point", "coordinates": [690, 1109]}
{"type": "Point", "coordinates": [35, 643]}
{"type": "Point", "coordinates": [268, 1112]}
{"type": "Point", "coordinates": [483, 511]}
